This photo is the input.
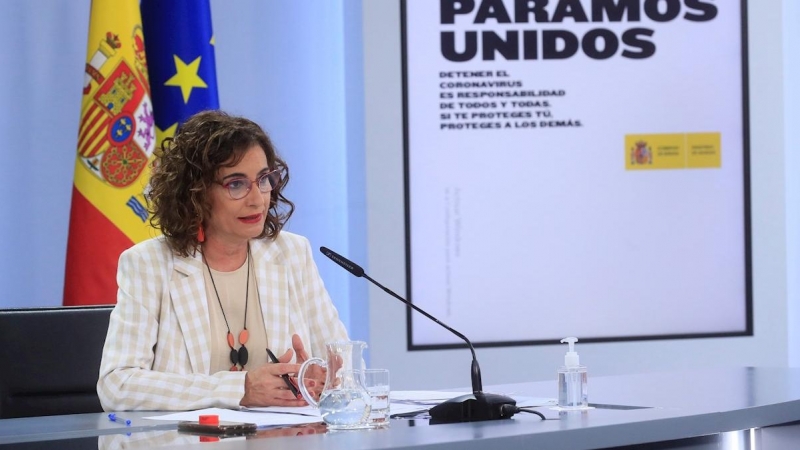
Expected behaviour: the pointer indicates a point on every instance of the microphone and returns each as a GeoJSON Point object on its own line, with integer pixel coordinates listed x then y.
{"type": "Point", "coordinates": [475, 407]}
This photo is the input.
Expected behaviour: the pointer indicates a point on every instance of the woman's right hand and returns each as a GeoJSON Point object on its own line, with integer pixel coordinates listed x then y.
{"type": "Point", "coordinates": [265, 387]}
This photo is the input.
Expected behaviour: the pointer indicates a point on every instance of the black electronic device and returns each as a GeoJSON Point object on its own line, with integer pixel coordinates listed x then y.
{"type": "Point", "coordinates": [475, 407]}
{"type": "Point", "coordinates": [222, 429]}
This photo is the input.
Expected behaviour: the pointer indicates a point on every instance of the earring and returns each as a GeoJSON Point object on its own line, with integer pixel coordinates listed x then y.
{"type": "Point", "coordinates": [201, 234]}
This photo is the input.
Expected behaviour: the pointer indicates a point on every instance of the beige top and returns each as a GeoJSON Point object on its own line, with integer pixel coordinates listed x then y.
{"type": "Point", "coordinates": [232, 288]}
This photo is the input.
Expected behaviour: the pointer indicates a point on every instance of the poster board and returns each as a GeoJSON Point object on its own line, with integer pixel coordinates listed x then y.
{"type": "Point", "coordinates": [576, 168]}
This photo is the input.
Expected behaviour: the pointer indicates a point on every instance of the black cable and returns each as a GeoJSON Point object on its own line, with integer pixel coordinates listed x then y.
{"type": "Point", "coordinates": [510, 410]}
{"type": "Point", "coordinates": [532, 411]}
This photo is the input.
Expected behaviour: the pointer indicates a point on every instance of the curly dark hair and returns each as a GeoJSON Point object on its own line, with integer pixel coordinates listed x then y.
{"type": "Point", "coordinates": [187, 167]}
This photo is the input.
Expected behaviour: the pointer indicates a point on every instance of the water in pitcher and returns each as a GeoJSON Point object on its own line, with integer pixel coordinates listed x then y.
{"type": "Point", "coordinates": [344, 408]}
{"type": "Point", "coordinates": [344, 403]}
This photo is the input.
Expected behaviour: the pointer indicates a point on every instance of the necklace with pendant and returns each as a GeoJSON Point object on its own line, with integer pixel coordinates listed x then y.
{"type": "Point", "coordinates": [238, 357]}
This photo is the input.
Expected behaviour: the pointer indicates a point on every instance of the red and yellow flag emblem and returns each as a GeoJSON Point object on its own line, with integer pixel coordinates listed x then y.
{"type": "Point", "coordinates": [116, 141]}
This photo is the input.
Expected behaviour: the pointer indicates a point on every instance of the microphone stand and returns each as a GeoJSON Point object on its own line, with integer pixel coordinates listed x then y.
{"type": "Point", "coordinates": [475, 407]}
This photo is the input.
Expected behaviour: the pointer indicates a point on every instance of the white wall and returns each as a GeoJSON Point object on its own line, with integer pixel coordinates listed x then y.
{"type": "Point", "coordinates": [386, 245]}
{"type": "Point", "coordinates": [41, 75]}
{"type": "Point", "coordinates": [791, 97]}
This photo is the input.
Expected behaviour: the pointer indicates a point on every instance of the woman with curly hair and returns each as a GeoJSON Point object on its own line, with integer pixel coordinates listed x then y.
{"type": "Point", "coordinates": [198, 306]}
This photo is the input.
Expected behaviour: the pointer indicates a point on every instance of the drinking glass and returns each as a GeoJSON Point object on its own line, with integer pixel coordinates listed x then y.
{"type": "Point", "coordinates": [377, 383]}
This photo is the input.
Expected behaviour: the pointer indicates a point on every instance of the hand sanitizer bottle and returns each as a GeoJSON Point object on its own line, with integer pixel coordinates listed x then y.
{"type": "Point", "coordinates": [572, 380]}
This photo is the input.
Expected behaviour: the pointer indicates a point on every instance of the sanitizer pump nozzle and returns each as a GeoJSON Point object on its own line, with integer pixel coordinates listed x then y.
{"type": "Point", "coordinates": [571, 359]}
{"type": "Point", "coordinates": [572, 380]}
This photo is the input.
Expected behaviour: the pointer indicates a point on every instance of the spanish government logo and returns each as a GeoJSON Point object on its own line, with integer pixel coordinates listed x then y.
{"type": "Point", "coordinates": [117, 132]}
{"type": "Point", "coordinates": [641, 154]}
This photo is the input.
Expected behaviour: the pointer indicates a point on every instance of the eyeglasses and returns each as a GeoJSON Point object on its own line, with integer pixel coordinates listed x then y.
{"type": "Point", "coordinates": [238, 188]}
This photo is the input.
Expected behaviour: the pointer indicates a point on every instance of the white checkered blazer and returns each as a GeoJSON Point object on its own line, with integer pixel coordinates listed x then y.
{"type": "Point", "coordinates": [156, 354]}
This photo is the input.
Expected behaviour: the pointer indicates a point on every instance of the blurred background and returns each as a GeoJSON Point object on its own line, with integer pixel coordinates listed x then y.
{"type": "Point", "coordinates": [324, 79]}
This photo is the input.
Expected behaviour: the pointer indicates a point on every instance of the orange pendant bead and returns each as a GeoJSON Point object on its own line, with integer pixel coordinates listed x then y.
{"type": "Point", "coordinates": [244, 336]}
{"type": "Point", "coordinates": [230, 339]}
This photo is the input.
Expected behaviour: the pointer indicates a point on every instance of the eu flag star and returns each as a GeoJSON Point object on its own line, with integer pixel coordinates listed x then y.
{"type": "Point", "coordinates": [186, 77]}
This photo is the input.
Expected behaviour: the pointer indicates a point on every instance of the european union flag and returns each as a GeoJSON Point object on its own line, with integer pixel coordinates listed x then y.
{"type": "Point", "coordinates": [180, 58]}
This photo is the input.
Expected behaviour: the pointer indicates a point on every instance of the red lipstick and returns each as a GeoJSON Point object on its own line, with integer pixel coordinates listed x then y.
{"type": "Point", "coordinates": [255, 218]}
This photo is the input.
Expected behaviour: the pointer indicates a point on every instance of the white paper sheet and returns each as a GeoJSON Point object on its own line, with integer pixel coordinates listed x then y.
{"type": "Point", "coordinates": [261, 419]}
{"type": "Point", "coordinates": [532, 402]}
{"type": "Point", "coordinates": [406, 408]}
{"type": "Point", "coordinates": [424, 397]}
{"type": "Point", "coordinates": [431, 398]}
{"type": "Point", "coordinates": [302, 410]}
{"type": "Point", "coordinates": [402, 402]}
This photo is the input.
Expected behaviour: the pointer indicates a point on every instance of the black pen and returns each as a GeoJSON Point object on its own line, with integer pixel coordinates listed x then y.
{"type": "Point", "coordinates": [285, 377]}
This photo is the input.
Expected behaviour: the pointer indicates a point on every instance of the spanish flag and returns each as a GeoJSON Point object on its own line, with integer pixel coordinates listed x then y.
{"type": "Point", "coordinates": [121, 128]}
{"type": "Point", "coordinates": [116, 141]}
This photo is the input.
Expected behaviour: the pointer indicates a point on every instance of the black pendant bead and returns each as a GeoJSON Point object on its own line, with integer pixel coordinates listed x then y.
{"type": "Point", "coordinates": [234, 357]}
{"type": "Point", "coordinates": [243, 355]}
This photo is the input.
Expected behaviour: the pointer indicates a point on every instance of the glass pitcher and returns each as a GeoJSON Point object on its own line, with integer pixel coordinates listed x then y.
{"type": "Point", "coordinates": [344, 402]}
